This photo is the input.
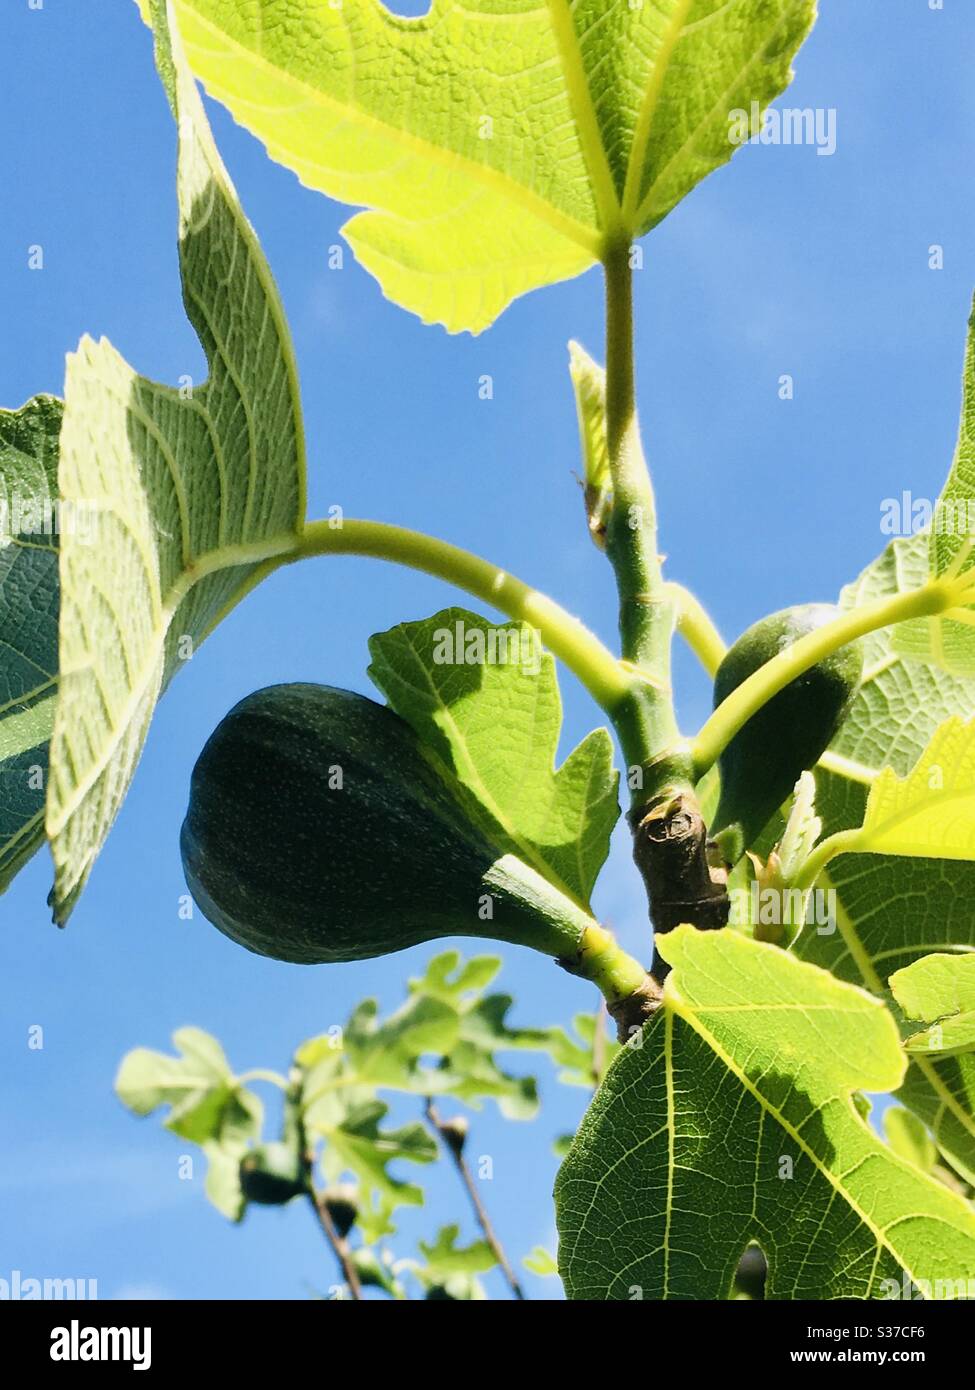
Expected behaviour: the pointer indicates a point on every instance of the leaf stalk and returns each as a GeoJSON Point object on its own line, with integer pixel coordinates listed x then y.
{"type": "Point", "coordinates": [697, 629]}
{"type": "Point", "coordinates": [733, 713]}
{"type": "Point", "coordinates": [606, 679]}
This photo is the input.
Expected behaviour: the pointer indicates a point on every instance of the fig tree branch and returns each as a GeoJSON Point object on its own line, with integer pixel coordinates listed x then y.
{"type": "Point", "coordinates": [340, 1245]}
{"type": "Point", "coordinates": [453, 1136]}
{"type": "Point", "coordinates": [296, 1105]}
{"type": "Point", "coordinates": [669, 834]}
{"type": "Point", "coordinates": [646, 607]}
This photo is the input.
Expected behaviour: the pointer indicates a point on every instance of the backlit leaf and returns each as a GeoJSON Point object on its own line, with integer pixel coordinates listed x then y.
{"type": "Point", "coordinates": [445, 1257]}
{"type": "Point", "coordinates": [734, 1123]}
{"type": "Point", "coordinates": [207, 1105]}
{"type": "Point", "coordinates": [931, 812]}
{"type": "Point", "coordinates": [948, 642]}
{"type": "Point", "coordinates": [939, 990]}
{"type": "Point", "coordinates": [483, 697]}
{"type": "Point", "coordinates": [496, 144]}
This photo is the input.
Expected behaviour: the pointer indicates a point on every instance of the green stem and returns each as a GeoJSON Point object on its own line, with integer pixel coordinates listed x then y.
{"type": "Point", "coordinates": [262, 1074]}
{"type": "Point", "coordinates": [607, 680]}
{"type": "Point", "coordinates": [646, 614]}
{"type": "Point", "coordinates": [625, 693]}
{"type": "Point", "coordinates": [603, 961]}
{"type": "Point", "coordinates": [646, 606]}
{"type": "Point", "coordinates": [669, 834]}
{"type": "Point", "coordinates": [843, 842]}
{"type": "Point", "coordinates": [698, 631]}
{"type": "Point", "coordinates": [758, 689]}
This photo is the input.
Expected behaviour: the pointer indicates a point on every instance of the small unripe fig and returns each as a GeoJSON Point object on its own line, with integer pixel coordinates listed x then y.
{"type": "Point", "coordinates": [454, 1133]}
{"type": "Point", "coordinates": [342, 1206]}
{"type": "Point", "coordinates": [319, 830]}
{"type": "Point", "coordinates": [752, 1273]}
{"type": "Point", "coordinates": [272, 1174]}
{"type": "Point", "coordinates": [760, 766]}
{"type": "Point", "coordinates": [461, 1288]}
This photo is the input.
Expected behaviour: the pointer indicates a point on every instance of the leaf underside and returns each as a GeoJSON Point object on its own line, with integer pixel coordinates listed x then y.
{"type": "Point", "coordinates": [949, 642]}
{"type": "Point", "coordinates": [190, 491]}
{"type": "Point", "coordinates": [894, 909]}
{"type": "Point", "coordinates": [29, 605]}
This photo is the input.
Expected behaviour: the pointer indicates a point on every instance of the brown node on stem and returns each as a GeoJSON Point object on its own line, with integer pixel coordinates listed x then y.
{"type": "Point", "coordinates": [454, 1133]}
{"type": "Point", "coordinates": [598, 507]}
{"type": "Point", "coordinates": [684, 877]}
{"type": "Point", "coordinates": [631, 1013]}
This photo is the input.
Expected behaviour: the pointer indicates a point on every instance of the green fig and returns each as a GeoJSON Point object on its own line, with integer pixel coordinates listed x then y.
{"type": "Point", "coordinates": [342, 1204]}
{"type": "Point", "coordinates": [760, 765]}
{"type": "Point", "coordinates": [318, 830]}
{"type": "Point", "coordinates": [751, 1274]}
{"type": "Point", "coordinates": [272, 1174]}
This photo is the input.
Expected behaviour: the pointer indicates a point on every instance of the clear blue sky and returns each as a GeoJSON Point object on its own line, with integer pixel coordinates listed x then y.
{"type": "Point", "coordinates": [784, 262]}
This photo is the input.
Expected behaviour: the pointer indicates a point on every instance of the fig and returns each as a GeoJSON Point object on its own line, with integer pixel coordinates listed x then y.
{"type": "Point", "coordinates": [761, 764]}
{"type": "Point", "coordinates": [319, 830]}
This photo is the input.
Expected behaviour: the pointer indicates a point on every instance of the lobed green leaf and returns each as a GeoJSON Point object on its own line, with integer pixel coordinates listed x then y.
{"type": "Point", "coordinates": [30, 522]}
{"type": "Point", "coordinates": [484, 699]}
{"type": "Point", "coordinates": [939, 990]}
{"type": "Point", "coordinates": [735, 1122]}
{"type": "Point", "coordinates": [495, 144]}
{"type": "Point", "coordinates": [191, 490]}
